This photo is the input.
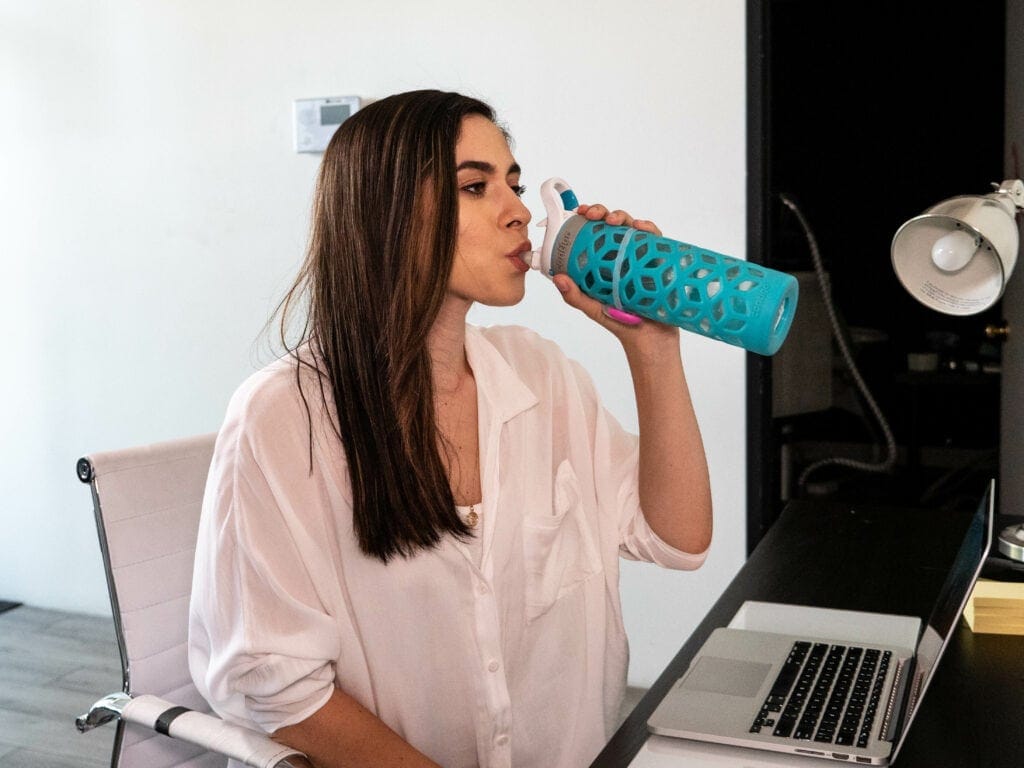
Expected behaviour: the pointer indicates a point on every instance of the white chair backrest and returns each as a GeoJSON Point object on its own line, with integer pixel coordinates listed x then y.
{"type": "Point", "coordinates": [147, 504]}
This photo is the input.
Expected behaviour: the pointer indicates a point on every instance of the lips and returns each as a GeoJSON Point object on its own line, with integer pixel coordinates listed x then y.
{"type": "Point", "coordinates": [517, 254]}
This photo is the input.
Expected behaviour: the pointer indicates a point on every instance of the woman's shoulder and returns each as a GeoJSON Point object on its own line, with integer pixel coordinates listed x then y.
{"type": "Point", "coordinates": [277, 393]}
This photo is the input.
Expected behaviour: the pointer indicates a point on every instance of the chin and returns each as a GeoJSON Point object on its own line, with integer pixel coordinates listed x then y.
{"type": "Point", "coordinates": [507, 299]}
{"type": "Point", "coordinates": [505, 302]}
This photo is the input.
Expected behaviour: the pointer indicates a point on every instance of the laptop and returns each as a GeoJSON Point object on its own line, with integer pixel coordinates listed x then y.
{"type": "Point", "coordinates": [826, 683]}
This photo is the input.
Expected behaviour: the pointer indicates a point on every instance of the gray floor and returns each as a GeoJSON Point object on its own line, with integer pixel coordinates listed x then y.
{"type": "Point", "coordinates": [53, 666]}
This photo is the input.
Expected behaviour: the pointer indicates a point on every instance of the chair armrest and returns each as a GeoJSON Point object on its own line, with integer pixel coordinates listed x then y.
{"type": "Point", "coordinates": [250, 747]}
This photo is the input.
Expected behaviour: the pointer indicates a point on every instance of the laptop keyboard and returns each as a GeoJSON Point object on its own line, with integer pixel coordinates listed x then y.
{"type": "Point", "coordinates": [825, 693]}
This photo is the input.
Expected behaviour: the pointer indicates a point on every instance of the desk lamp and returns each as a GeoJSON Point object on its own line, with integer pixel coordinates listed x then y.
{"type": "Point", "coordinates": [956, 258]}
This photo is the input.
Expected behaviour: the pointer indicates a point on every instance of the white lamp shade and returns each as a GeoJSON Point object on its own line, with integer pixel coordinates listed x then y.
{"type": "Point", "coordinates": [990, 221]}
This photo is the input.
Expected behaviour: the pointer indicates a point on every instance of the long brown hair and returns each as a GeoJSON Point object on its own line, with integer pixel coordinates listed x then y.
{"type": "Point", "coordinates": [382, 242]}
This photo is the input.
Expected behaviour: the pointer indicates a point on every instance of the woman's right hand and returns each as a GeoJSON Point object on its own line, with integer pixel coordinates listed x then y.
{"type": "Point", "coordinates": [645, 340]}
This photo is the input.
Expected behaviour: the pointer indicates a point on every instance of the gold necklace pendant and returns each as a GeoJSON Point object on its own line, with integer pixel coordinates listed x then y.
{"type": "Point", "coordinates": [472, 518]}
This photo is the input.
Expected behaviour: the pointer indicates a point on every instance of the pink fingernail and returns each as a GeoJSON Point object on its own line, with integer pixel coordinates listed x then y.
{"type": "Point", "coordinates": [622, 317]}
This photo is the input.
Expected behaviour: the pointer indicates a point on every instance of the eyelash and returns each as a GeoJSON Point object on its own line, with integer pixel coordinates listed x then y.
{"type": "Point", "coordinates": [476, 188]}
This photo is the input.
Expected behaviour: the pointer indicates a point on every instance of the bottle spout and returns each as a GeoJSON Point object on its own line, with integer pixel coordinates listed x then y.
{"type": "Point", "coordinates": [560, 204]}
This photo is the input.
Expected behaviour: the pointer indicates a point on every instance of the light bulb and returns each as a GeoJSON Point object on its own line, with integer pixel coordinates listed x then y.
{"type": "Point", "coordinates": [952, 252]}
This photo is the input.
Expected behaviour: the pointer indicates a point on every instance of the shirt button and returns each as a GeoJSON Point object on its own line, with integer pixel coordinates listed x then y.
{"type": "Point", "coordinates": [502, 740]}
{"type": "Point", "coordinates": [493, 666]}
{"type": "Point", "coordinates": [482, 588]}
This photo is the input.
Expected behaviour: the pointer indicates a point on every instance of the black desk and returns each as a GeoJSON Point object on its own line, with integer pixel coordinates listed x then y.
{"type": "Point", "coordinates": [885, 560]}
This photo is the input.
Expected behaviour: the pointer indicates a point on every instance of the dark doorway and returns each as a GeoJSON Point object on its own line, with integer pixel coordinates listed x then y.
{"type": "Point", "coordinates": [862, 115]}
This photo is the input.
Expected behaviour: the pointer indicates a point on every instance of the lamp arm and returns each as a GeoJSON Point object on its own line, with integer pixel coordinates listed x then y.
{"type": "Point", "coordinates": [1014, 189]}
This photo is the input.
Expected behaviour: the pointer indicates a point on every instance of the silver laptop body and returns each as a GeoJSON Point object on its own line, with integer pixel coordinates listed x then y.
{"type": "Point", "coordinates": [749, 687]}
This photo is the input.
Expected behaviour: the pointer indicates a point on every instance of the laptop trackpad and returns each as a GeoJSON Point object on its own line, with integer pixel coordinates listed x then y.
{"type": "Point", "coordinates": [729, 676]}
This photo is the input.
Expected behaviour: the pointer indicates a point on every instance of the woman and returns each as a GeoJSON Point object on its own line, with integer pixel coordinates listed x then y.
{"type": "Point", "coordinates": [410, 537]}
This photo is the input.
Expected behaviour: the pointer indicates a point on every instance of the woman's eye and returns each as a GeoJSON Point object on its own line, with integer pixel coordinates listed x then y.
{"type": "Point", "coordinates": [479, 188]}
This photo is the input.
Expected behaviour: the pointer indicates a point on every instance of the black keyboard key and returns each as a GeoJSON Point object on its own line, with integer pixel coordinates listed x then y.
{"type": "Point", "coordinates": [788, 674]}
{"type": "Point", "coordinates": [785, 725]}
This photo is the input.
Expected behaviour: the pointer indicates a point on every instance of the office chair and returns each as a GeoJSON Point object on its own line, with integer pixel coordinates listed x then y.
{"type": "Point", "coordinates": [147, 502]}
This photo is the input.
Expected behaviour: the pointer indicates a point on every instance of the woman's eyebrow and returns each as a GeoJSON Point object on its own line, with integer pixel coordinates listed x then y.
{"type": "Point", "coordinates": [485, 167]}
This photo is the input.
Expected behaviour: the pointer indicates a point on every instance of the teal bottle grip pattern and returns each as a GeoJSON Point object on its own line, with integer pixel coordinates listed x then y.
{"type": "Point", "coordinates": [672, 282]}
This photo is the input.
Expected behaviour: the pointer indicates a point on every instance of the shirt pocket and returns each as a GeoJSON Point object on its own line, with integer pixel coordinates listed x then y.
{"type": "Point", "coordinates": [559, 547]}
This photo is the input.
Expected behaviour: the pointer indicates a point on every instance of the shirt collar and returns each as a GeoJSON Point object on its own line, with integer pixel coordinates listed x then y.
{"type": "Point", "coordinates": [497, 382]}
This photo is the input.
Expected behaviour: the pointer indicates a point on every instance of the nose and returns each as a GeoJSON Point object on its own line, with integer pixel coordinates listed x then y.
{"type": "Point", "coordinates": [517, 215]}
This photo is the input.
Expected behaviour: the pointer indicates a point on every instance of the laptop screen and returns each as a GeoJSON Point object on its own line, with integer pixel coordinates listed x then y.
{"type": "Point", "coordinates": [952, 598]}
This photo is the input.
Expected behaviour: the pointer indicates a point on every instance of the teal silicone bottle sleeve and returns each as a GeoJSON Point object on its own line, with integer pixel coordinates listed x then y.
{"type": "Point", "coordinates": [666, 280]}
{"type": "Point", "coordinates": [673, 282]}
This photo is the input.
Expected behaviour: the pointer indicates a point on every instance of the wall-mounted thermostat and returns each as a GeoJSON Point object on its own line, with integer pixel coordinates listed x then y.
{"type": "Point", "coordinates": [316, 120]}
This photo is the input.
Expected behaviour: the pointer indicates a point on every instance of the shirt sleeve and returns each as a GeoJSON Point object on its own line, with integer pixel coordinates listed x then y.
{"type": "Point", "coordinates": [262, 647]}
{"type": "Point", "coordinates": [616, 471]}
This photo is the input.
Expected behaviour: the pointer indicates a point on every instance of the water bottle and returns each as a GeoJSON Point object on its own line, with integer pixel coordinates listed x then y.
{"type": "Point", "coordinates": [636, 273]}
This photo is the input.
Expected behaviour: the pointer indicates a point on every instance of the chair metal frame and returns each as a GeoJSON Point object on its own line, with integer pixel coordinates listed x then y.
{"type": "Point", "coordinates": [198, 728]}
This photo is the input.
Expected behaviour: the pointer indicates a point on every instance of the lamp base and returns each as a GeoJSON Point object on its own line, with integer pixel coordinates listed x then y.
{"type": "Point", "coordinates": [1011, 542]}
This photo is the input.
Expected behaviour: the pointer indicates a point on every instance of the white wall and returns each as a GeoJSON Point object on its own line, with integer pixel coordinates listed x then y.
{"type": "Point", "coordinates": [153, 212]}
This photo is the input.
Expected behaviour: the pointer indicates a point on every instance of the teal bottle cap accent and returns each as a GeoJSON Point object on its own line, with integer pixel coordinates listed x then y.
{"type": "Point", "coordinates": [569, 200]}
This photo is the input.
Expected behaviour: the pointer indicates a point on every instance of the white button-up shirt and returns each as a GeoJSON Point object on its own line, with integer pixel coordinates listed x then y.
{"type": "Point", "coordinates": [512, 656]}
